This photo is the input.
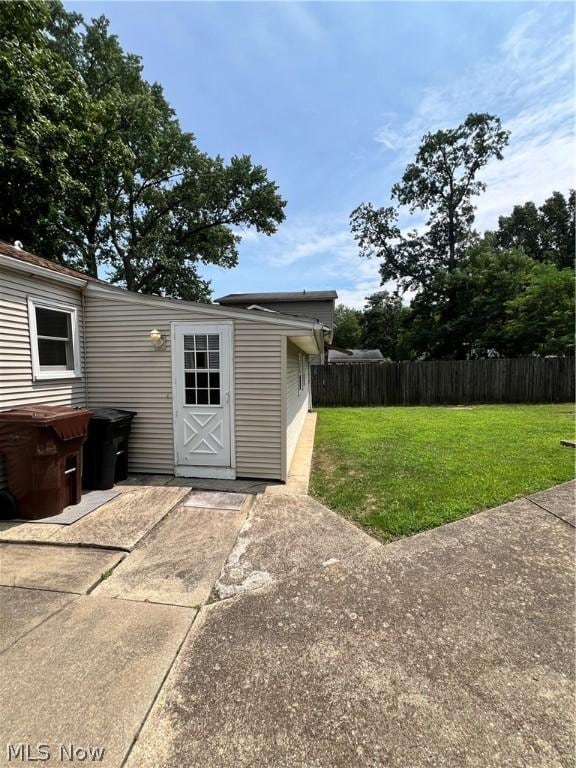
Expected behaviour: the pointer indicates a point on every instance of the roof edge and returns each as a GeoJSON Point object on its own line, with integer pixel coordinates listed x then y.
{"type": "Point", "coordinates": [19, 265]}
{"type": "Point", "coordinates": [273, 297]}
{"type": "Point", "coordinates": [273, 318]}
{"type": "Point", "coordinates": [91, 285]}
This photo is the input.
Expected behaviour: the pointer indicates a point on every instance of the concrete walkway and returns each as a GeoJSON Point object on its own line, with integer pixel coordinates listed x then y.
{"type": "Point", "coordinates": [281, 635]}
{"type": "Point", "coordinates": [119, 524]}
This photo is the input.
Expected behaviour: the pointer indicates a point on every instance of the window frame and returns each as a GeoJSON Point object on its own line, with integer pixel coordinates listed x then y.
{"type": "Point", "coordinates": [301, 373]}
{"type": "Point", "coordinates": [208, 370]}
{"type": "Point", "coordinates": [44, 374]}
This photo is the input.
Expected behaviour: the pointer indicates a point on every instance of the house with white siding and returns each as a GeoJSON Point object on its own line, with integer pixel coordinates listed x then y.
{"type": "Point", "coordinates": [221, 390]}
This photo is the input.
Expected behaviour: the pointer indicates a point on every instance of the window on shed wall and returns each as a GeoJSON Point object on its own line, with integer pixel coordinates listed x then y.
{"type": "Point", "coordinates": [301, 373]}
{"type": "Point", "coordinates": [54, 340]}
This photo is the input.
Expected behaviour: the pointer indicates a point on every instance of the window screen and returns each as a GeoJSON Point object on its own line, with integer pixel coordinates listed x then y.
{"type": "Point", "coordinates": [301, 373]}
{"type": "Point", "coordinates": [54, 337]}
{"type": "Point", "coordinates": [202, 369]}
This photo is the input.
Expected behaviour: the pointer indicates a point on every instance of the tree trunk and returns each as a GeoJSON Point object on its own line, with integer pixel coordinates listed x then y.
{"type": "Point", "coordinates": [451, 241]}
{"type": "Point", "coordinates": [92, 238]}
{"type": "Point", "coordinates": [91, 262]}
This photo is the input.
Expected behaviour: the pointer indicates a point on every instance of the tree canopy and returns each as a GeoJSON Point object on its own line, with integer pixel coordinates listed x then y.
{"type": "Point", "coordinates": [441, 183]}
{"type": "Point", "coordinates": [507, 293]}
{"type": "Point", "coordinates": [347, 327]}
{"type": "Point", "coordinates": [382, 322]}
{"type": "Point", "coordinates": [98, 170]}
{"type": "Point", "coordinates": [505, 299]}
{"type": "Point", "coordinates": [503, 305]}
{"type": "Point", "coordinates": [544, 233]}
{"type": "Point", "coordinates": [508, 306]}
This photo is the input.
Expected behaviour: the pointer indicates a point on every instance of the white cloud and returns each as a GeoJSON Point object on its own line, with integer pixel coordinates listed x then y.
{"type": "Point", "coordinates": [275, 28]}
{"type": "Point", "coordinates": [306, 241]}
{"type": "Point", "coordinates": [530, 172]}
{"type": "Point", "coordinates": [302, 21]}
{"type": "Point", "coordinates": [388, 134]}
{"type": "Point", "coordinates": [530, 85]}
{"type": "Point", "coordinates": [318, 252]}
{"type": "Point", "coordinates": [515, 41]}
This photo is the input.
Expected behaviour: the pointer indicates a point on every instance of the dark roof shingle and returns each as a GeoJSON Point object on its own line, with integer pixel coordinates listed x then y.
{"type": "Point", "coordinates": [255, 298]}
{"type": "Point", "coordinates": [30, 258]}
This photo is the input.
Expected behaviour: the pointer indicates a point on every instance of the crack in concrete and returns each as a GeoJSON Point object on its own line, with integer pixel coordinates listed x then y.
{"type": "Point", "coordinates": [544, 509]}
{"type": "Point", "coordinates": [193, 623]}
{"type": "Point", "coordinates": [73, 596]}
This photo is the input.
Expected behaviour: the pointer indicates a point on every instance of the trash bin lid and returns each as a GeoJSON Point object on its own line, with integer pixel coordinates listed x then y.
{"type": "Point", "coordinates": [66, 422]}
{"type": "Point", "coordinates": [111, 415]}
{"type": "Point", "coordinates": [43, 414]}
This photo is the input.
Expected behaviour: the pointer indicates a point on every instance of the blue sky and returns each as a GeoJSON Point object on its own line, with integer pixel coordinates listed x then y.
{"type": "Point", "coordinates": [333, 98]}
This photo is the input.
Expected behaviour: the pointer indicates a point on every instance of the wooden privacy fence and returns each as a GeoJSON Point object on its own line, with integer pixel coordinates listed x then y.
{"type": "Point", "coordinates": [518, 380]}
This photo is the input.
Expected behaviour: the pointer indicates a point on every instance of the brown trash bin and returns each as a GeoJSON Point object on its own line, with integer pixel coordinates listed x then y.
{"type": "Point", "coordinates": [42, 447]}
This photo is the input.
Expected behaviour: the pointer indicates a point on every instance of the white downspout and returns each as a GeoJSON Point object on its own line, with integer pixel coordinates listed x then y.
{"type": "Point", "coordinates": [84, 345]}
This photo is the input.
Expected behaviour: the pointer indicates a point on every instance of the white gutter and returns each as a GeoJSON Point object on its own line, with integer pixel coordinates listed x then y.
{"type": "Point", "coordinates": [319, 337]}
{"type": "Point", "coordinates": [34, 269]}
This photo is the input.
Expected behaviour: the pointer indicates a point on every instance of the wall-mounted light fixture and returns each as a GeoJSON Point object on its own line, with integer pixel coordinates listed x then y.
{"type": "Point", "coordinates": [157, 339]}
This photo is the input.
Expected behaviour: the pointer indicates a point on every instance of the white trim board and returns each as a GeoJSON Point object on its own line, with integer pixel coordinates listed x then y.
{"type": "Point", "coordinates": [207, 473]}
{"type": "Point", "coordinates": [34, 269]}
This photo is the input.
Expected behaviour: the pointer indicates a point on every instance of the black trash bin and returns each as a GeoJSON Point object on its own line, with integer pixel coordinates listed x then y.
{"type": "Point", "coordinates": [106, 450]}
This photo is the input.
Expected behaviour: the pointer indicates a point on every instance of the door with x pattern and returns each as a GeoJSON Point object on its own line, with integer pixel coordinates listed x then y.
{"type": "Point", "coordinates": [202, 363]}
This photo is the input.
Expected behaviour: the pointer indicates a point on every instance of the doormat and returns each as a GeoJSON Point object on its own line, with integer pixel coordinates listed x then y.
{"type": "Point", "coordinates": [215, 500]}
{"type": "Point", "coordinates": [88, 503]}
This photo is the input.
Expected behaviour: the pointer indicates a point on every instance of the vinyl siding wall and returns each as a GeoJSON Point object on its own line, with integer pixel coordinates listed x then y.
{"type": "Point", "coordinates": [297, 402]}
{"type": "Point", "coordinates": [17, 386]}
{"type": "Point", "coordinates": [124, 370]}
{"type": "Point", "coordinates": [258, 363]}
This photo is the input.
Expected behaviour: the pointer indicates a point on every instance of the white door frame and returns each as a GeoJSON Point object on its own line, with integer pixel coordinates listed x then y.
{"type": "Point", "coordinates": [220, 473]}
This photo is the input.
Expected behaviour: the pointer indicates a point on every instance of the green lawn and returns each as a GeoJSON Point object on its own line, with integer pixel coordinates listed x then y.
{"type": "Point", "coordinates": [398, 471]}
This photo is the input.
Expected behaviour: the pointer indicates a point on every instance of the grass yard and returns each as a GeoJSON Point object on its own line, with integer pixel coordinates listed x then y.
{"type": "Point", "coordinates": [397, 471]}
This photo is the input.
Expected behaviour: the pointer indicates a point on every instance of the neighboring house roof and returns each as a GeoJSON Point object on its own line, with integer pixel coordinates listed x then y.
{"type": "Point", "coordinates": [257, 298]}
{"type": "Point", "coordinates": [355, 356]}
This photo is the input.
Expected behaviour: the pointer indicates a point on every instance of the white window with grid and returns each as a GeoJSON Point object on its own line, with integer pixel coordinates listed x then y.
{"type": "Point", "coordinates": [202, 369]}
{"type": "Point", "coordinates": [54, 340]}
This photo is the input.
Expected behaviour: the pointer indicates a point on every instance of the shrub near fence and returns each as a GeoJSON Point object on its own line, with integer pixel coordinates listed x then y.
{"type": "Point", "coordinates": [445, 382]}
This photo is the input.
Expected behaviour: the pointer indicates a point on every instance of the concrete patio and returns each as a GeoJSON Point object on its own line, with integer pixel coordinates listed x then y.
{"type": "Point", "coordinates": [278, 634]}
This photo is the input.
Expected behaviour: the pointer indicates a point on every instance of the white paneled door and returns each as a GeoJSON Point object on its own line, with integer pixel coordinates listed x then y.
{"type": "Point", "coordinates": [202, 370]}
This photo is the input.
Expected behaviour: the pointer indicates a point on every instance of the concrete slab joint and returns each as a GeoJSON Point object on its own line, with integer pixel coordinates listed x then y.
{"type": "Point", "coordinates": [272, 632]}
{"type": "Point", "coordinates": [453, 647]}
